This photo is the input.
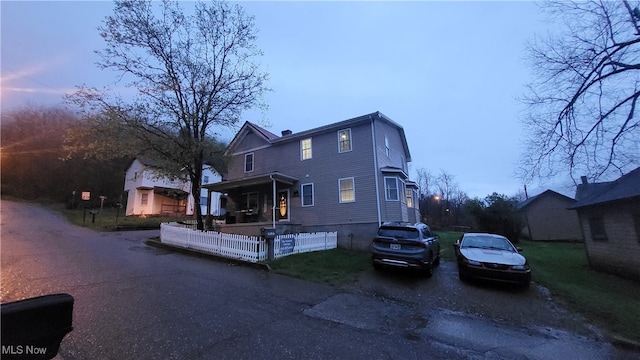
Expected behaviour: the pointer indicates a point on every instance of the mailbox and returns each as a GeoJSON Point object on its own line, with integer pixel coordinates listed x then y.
{"type": "Point", "coordinates": [268, 234]}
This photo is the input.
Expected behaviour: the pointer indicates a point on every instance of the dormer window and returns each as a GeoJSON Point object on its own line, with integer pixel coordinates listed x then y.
{"type": "Point", "coordinates": [248, 162]}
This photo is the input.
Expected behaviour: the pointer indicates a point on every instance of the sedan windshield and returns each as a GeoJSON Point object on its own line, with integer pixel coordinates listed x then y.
{"type": "Point", "coordinates": [487, 242]}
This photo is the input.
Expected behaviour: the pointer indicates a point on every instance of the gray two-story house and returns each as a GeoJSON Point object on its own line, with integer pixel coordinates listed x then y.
{"type": "Point", "coordinates": [348, 177]}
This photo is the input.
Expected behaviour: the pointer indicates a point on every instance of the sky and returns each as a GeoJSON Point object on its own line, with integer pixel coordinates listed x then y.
{"type": "Point", "coordinates": [449, 72]}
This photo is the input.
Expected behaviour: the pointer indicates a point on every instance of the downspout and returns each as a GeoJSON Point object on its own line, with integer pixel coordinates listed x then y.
{"type": "Point", "coordinates": [273, 208]}
{"type": "Point", "coordinates": [375, 167]}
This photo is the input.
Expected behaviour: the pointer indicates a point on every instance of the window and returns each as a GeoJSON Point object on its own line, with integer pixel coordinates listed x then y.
{"type": "Point", "coordinates": [387, 149]}
{"type": "Point", "coordinates": [248, 162]}
{"type": "Point", "coordinates": [344, 140]}
{"type": "Point", "coordinates": [205, 179]}
{"type": "Point", "coordinates": [596, 224]}
{"type": "Point", "coordinates": [144, 199]}
{"type": "Point", "coordinates": [409, 194]}
{"type": "Point", "coordinates": [249, 201]}
{"type": "Point", "coordinates": [346, 188]}
{"type": "Point", "coordinates": [307, 194]}
{"type": "Point", "coordinates": [305, 149]}
{"type": "Point", "coordinates": [391, 188]}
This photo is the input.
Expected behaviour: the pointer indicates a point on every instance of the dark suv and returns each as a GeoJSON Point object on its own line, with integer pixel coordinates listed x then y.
{"type": "Point", "coordinates": [405, 245]}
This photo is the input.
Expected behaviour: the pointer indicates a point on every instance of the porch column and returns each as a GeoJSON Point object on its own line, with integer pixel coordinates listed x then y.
{"type": "Point", "coordinates": [273, 210]}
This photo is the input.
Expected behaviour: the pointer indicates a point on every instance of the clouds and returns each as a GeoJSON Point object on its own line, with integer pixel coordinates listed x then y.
{"type": "Point", "coordinates": [448, 72]}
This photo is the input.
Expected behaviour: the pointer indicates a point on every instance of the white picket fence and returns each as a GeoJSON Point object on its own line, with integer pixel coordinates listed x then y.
{"type": "Point", "coordinates": [305, 242]}
{"type": "Point", "coordinates": [245, 248]}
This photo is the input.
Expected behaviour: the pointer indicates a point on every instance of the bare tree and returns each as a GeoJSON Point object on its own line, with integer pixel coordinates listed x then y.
{"type": "Point", "coordinates": [193, 74]}
{"type": "Point", "coordinates": [581, 118]}
{"type": "Point", "coordinates": [446, 184]}
{"type": "Point", "coordinates": [424, 179]}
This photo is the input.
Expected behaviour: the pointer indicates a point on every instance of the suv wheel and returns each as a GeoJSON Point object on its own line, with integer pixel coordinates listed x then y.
{"type": "Point", "coordinates": [427, 270]}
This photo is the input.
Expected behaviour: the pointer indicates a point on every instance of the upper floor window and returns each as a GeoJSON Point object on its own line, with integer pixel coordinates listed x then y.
{"type": "Point", "coordinates": [391, 188]}
{"type": "Point", "coordinates": [248, 162]}
{"type": "Point", "coordinates": [346, 190]}
{"type": "Point", "coordinates": [305, 149]}
{"type": "Point", "coordinates": [344, 140]}
{"type": "Point", "coordinates": [387, 148]}
{"type": "Point", "coordinates": [409, 194]}
{"type": "Point", "coordinates": [205, 179]}
{"type": "Point", "coordinates": [307, 194]}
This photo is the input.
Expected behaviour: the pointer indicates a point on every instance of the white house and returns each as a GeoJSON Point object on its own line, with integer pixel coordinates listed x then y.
{"type": "Point", "coordinates": [149, 193]}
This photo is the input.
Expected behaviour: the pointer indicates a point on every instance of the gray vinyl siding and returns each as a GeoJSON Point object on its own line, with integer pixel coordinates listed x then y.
{"type": "Point", "coordinates": [397, 152]}
{"type": "Point", "coordinates": [327, 166]}
{"type": "Point", "coordinates": [251, 142]}
{"type": "Point", "coordinates": [390, 210]}
{"type": "Point", "coordinates": [323, 171]}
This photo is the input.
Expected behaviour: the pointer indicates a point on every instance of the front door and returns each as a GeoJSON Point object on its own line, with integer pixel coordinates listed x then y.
{"type": "Point", "coordinates": [282, 208]}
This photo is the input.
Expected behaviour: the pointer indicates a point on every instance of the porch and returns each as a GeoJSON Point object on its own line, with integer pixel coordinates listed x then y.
{"type": "Point", "coordinates": [252, 203]}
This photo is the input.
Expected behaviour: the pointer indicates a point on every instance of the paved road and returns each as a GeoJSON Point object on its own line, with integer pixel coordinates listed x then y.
{"type": "Point", "coordinates": [133, 301]}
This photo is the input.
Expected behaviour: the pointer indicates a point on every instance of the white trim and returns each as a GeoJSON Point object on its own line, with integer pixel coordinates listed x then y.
{"type": "Point", "coordinates": [302, 195]}
{"type": "Point", "coordinates": [353, 183]}
{"type": "Point", "coordinates": [350, 141]}
{"type": "Point", "coordinates": [386, 189]}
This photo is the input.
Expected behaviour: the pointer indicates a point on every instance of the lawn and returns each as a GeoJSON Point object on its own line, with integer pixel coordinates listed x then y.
{"type": "Point", "coordinates": [334, 267]}
{"type": "Point", "coordinates": [110, 219]}
{"type": "Point", "coordinates": [606, 300]}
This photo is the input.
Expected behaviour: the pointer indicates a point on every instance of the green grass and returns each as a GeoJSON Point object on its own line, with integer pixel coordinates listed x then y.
{"type": "Point", "coordinates": [334, 267]}
{"type": "Point", "coordinates": [606, 300]}
{"type": "Point", "coordinates": [110, 219]}
{"type": "Point", "coordinates": [447, 239]}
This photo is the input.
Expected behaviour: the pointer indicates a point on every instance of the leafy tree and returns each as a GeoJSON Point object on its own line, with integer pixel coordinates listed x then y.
{"type": "Point", "coordinates": [34, 166]}
{"type": "Point", "coordinates": [582, 107]}
{"type": "Point", "coordinates": [194, 74]}
{"type": "Point", "coordinates": [497, 214]}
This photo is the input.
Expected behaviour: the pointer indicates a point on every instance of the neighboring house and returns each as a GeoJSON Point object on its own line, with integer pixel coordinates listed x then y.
{"type": "Point", "coordinates": [149, 193]}
{"type": "Point", "coordinates": [609, 215]}
{"type": "Point", "coordinates": [348, 176]}
{"type": "Point", "coordinates": [547, 218]}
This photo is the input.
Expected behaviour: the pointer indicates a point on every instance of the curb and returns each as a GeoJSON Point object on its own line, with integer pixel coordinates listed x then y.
{"type": "Point", "coordinates": [192, 252]}
{"type": "Point", "coordinates": [624, 343]}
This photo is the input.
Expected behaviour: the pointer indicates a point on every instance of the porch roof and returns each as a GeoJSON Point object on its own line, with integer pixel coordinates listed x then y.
{"type": "Point", "coordinates": [226, 185]}
{"type": "Point", "coordinates": [170, 192]}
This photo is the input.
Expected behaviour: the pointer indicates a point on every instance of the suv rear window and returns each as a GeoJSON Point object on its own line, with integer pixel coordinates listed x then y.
{"type": "Point", "coordinates": [399, 232]}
